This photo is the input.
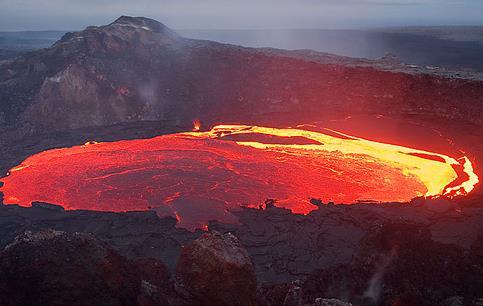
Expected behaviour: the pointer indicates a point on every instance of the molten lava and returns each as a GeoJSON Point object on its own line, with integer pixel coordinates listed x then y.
{"type": "Point", "coordinates": [196, 125]}
{"type": "Point", "coordinates": [200, 176]}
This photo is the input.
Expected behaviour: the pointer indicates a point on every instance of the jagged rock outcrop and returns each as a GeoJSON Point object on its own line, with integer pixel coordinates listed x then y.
{"type": "Point", "coordinates": [56, 268]}
{"type": "Point", "coordinates": [216, 270]}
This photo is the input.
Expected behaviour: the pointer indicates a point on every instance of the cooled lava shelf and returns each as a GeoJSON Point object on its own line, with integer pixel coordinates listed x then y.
{"type": "Point", "coordinates": [198, 176]}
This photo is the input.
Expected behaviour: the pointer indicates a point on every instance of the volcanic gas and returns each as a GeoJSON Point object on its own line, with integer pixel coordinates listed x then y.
{"type": "Point", "coordinates": [200, 176]}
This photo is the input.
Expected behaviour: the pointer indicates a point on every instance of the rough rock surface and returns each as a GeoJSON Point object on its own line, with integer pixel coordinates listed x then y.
{"type": "Point", "coordinates": [398, 263]}
{"type": "Point", "coordinates": [348, 246]}
{"type": "Point", "coordinates": [294, 297]}
{"type": "Point", "coordinates": [137, 69]}
{"type": "Point", "coordinates": [216, 270]}
{"type": "Point", "coordinates": [452, 301]}
{"type": "Point", "coordinates": [55, 268]}
{"type": "Point", "coordinates": [134, 234]}
{"type": "Point", "coordinates": [282, 246]}
{"type": "Point", "coordinates": [330, 302]}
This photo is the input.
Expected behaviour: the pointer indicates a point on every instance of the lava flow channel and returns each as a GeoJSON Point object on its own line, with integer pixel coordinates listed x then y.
{"type": "Point", "coordinates": [201, 176]}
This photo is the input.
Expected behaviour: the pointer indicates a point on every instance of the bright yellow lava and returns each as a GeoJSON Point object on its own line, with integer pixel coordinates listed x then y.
{"type": "Point", "coordinates": [435, 174]}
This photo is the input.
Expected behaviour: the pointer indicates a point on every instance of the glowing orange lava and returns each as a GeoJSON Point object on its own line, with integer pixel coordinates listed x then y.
{"type": "Point", "coordinates": [196, 125]}
{"type": "Point", "coordinates": [200, 176]}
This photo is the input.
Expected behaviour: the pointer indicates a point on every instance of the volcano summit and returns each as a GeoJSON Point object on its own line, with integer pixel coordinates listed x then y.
{"type": "Point", "coordinates": [217, 160]}
{"type": "Point", "coordinates": [137, 69]}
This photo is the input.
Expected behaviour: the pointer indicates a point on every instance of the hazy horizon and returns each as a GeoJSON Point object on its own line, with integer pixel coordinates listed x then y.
{"type": "Point", "coordinates": [261, 29]}
{"type": "Point", "coordinates": [35, 15]}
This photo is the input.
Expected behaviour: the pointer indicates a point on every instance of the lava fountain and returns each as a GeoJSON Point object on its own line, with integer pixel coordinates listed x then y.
{"type": "Point", "coordinates": [201, 176]}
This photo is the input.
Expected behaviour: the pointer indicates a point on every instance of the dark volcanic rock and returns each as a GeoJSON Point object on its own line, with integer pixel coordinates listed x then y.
{"type": "Point", "coordinates": [156, 283]}
{"type": "Point", "coordinates": [452, 301]}
{"type": "Point", "coordinates": [56, 268]}
{"type": "Point", "coordinates": [294, 297]}
{"type": "Point", "coordinates": [136, 69]}
{"type": "Point", "coordinates": [216, 270]}
{"type": "Point", "coordinates": [274, 294]}
{"type": "Point", "coordinates": [282, 246]}
{"type": "Point", "coordinates": [133, 234]}
{"type": "Point", "coordinates": [363, 251]}
{"type": "Point", "coordinates": [399, 264]}
{"type": "Point", "coordinates": [330, 302]}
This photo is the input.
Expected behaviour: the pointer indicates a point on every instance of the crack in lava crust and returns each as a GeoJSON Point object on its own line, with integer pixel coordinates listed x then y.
{"type": "Point", "coordinates": [201, 176]}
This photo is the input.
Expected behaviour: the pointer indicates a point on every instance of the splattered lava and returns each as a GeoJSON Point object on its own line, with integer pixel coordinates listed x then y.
{"type": "Point", "coordinates": [199, 176]}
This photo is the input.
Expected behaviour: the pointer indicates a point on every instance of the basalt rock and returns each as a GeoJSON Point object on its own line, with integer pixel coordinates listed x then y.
{"type": "Point", "coordinates": [348, 243]}
{"type": "Point", "coordinates": [392, 265]}
{"type": "Point", "coordinates": [294, 297]}
{"type": "Point", "coordinates": [452, 301]}
{"type": "Point", "coordinates": [274, 294]}
{"type": "Point", "coordinates": [216, 270]}
{"type": "Point", "coordinates": [330, 302]}
{"type": "Point", "coordinates": [55, 268]}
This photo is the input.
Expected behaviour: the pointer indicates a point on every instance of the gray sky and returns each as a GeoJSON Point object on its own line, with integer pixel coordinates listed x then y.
{"type": "Point", "coordinates": [243, 14]}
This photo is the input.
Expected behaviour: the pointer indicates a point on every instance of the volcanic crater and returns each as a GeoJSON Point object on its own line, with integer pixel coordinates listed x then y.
{"type": "Point", "coordinates": [133, 129]}
{"type": "Point", "coordinates": [137, 70]}
{"type": "Point", "coordinates": [201, 176]}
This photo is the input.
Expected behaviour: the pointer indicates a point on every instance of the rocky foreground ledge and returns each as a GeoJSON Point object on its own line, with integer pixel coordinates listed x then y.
{"type": "Point", "coordinates": [57, 268]}
{"type": "Point", "coordinates": [423, 253]}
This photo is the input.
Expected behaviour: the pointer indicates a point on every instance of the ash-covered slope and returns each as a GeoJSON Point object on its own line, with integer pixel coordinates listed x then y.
{"type": "Point", "coordinates": [137, 69]}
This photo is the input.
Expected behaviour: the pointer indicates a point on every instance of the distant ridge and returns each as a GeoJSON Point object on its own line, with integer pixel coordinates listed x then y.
{"type": "Point", "coordinates": [137, 69]}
